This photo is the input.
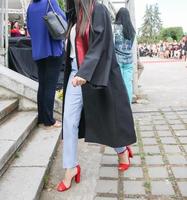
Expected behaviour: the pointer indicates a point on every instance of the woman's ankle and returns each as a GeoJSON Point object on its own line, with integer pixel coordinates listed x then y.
{"type": "Point", "coordinates": [123, 158]}
{"type": "Point", "coordinates": [71, 171]}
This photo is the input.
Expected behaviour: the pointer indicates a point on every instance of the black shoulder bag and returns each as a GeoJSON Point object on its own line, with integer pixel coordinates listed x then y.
{"type": "Point", "coordinates": [56, 24]}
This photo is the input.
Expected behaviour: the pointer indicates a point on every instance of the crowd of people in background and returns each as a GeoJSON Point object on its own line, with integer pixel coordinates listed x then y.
{"type": "Point", "coordinates": [165, 49]}
{"type": "Point", "coordinates": [18, 30]}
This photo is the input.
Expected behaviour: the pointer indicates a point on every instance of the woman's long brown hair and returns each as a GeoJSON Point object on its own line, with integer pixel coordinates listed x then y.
{"type": "Point", "coordinates": [83, 12]}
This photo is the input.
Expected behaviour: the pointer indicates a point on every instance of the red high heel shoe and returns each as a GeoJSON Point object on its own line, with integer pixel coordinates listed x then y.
{"type": "Point", "coordinates": [61, 187]}
{"type": "Point", "coordinates": [125, 166]}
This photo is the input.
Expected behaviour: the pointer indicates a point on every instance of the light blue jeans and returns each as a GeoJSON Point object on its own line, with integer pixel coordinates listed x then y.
{"type": "Point", "coordinates": [72, 113]}
{"type": "Point", "coordinates": [127, 74]}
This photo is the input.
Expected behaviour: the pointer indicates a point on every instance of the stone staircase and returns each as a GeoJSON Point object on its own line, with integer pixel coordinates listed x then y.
{"type": "Point", "coordinates": [26, 150]}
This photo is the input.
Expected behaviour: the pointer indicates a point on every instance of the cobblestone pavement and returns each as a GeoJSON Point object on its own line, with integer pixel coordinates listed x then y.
{"type": "Point", "coordinates": [159, 166]}
{"type": "Point", "coordinates": [158, 170]}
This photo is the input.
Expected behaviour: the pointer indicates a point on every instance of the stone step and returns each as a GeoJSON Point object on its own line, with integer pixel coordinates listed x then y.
{"type": "Point", "coordinates": [24, 178]}
{"type": "Point", "coordinates": [12, 134]}
{"type": "Point", "coordinates": [7, 106]}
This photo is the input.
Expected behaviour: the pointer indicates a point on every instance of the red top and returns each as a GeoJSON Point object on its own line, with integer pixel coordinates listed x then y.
{"type": "Point", "coordinates": [82, 45]}
{"type": "Point", "coordinates": [15, 33]}
{"type": "Point", "coordinates": [82, 42]}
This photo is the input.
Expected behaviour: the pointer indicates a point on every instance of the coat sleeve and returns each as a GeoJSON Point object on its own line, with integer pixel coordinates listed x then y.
{"type": "Point", "coordinates": [97, 46]}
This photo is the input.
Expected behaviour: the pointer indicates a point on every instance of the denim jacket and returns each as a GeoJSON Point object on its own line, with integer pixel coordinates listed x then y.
{"type": "Point", "coordinates": [123, 46]}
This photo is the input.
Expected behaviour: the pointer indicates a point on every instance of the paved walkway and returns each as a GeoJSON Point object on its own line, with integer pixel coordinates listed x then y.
{"type": "Point", "coordinates": [159, 166]}
{"type": "Point", "coordinates": [164, 84]}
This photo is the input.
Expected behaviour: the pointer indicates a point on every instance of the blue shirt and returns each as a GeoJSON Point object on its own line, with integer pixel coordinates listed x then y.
{"type": "Point", "coordinates": [43, 45]}
{"type": "Point", "coordinates": [123, 46]}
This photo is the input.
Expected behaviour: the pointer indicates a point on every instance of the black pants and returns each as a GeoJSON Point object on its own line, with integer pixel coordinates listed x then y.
{"type": "Point", "coordinates": [48, 73]}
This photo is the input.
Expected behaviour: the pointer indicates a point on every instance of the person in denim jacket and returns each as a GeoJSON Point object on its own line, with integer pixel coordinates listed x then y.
{"type": "Point", "coordinates": [124, 35]}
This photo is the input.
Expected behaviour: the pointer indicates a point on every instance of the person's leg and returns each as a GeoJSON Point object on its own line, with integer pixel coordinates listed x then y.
{"type": "Point", "coordinates": [71, 119]}
{"type": "Point", "coordinates": [185, 58]}
{"type": "Point", "coordinates": [51, 78]}
{"type": "Point", "coordinates": [72, 113]}
{"type": "Point", "coordinates": [127, 74]}
{"type": "Point", "coordinates": [120, 150]}
{"type": "Point", "coordinates": [128, 79]}
{"type": "Point", "coordinates": [41, 89]}
{"type": "Point", "coordinates": [140, 69]}
{"type": "Point", "coordinates": [124, 155]}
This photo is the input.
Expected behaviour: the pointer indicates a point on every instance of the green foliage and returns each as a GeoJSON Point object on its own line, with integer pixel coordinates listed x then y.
{"type": "Point", "coordinates": [169, 39]}
{"type": "Point", "coordinates": [150, 29]}
{"type": "Point", "coordinates": [61, 4]}
{"type": "Point", "coordinates": [171, 33]}
{"type": "Point", "coordinates": [17, 154]}
{"type": "Point", "coordinates": [46, 181]}
{"type": "Point", "coordinates": [59, 94]}
{"type": "Point", "coordinates": [147, 185]}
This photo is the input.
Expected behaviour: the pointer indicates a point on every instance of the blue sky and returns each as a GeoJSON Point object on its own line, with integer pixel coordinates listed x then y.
{"type": "Point", "coordinates": [173, 12]}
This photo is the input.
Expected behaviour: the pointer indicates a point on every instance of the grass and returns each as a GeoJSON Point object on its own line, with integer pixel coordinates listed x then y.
{"type": "Point", "coordinates": [46, 181]}
{"type": "Point", "coordinates": [147, 185]}
{"type": "Point", "coordinates": [17, 155]}
{"type": "Point", "coordinates": [59, 94]}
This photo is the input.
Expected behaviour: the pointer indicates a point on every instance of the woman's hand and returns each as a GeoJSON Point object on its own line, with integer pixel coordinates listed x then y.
{"type": "Point", "coordinates": [78, 81]}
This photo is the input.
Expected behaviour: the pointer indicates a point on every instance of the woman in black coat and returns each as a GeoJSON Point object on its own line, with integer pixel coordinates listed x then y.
{"type": "Point", "coordinates": [96, 105]}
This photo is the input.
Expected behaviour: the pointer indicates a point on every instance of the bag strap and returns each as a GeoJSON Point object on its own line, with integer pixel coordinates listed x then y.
{"type": "Point", "coordinates": [57, 16]}
{"type": "Point", "coordinates": [47, 8]}
{"type": "Point", "coordinates": [49, 4]}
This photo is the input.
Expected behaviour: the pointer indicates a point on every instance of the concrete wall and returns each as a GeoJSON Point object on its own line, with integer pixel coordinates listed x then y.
{"type": "Point", "coordinates": [15, 85]}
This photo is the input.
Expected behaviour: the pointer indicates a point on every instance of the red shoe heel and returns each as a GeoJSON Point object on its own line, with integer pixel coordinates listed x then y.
{"type": "Point", "coordinates": [125, 166]}
{"type": "Point", "coordinates": [78, 176]}
{"type": "Point", "coordinates": [61, 186]}
{"type": "Point", "coordinates": [130, 152]}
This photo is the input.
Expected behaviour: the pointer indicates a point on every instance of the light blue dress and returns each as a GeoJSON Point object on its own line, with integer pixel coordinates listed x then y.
{"type": "Point", "coordinates": [123, 49]}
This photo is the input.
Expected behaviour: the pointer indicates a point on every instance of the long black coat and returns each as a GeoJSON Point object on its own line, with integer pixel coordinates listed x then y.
{"type": "Point", "coordinates": [106, 117]}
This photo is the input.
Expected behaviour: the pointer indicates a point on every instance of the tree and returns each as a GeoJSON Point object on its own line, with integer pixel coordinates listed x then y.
{"type": "Point", "coordinates": [157, 22]}
{"type": "Point", "coordinates": [149, 31]}
{"type": "Point", "coordinates": [61, 4]}
{"type": "Point", "coordinates": [146, 28]}
{"type": "Point", "coordinates": [175, 33]}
